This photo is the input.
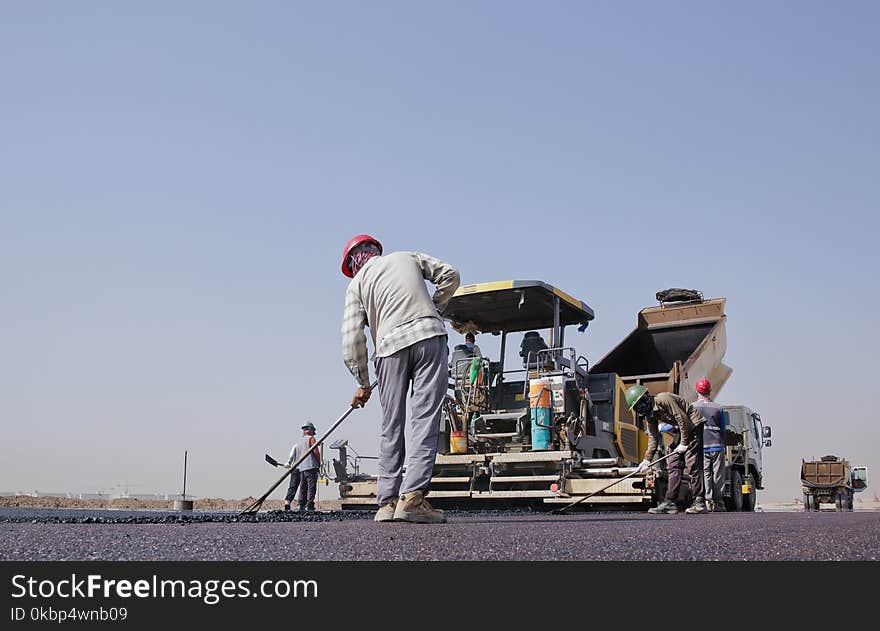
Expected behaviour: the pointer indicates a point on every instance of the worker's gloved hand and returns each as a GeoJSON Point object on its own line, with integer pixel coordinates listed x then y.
{"type": "Point", "coordinates": [644, 465]}
{"type": "Point", "coordinates": [680, 449]}
{"type": "Point", "coordinates": [361, 397]}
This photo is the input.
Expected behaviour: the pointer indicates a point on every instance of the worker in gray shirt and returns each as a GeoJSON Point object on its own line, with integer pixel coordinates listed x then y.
{"type": "Point", "coordinates": [714, 465]}
{"type": "Point", "coordinates": [305, 476]}
{"type": "Point", "coordinates": [388, 295]}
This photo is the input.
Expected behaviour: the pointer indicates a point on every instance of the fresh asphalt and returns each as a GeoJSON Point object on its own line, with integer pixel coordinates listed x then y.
{"type": "Point", "coordinates": [79, 535]}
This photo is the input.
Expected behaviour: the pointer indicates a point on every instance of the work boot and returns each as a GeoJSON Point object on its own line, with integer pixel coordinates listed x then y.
{"type": "Point", "coordinates": [386, 511]}
{"type": "Point", "coordinates": [286, 507]}
{"type": "Point", "coordinates": [697, 508]}
{"type": "Point", "coordinates": [413, 507]}
{"type": "Point", "coordinates": [310, 506]}
{"type": "Point", "coordinates": [719, 508]}
{"type": "Point", "coordinates": [302, 507]}
{"type": "Point", "coordinates": [667, 507]}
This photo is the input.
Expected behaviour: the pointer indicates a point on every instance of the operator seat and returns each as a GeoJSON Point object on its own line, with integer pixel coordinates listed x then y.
{"type": "Point", "coordinates": [532, 342]}
{"type": "Point", "coordinates": [459, 364]}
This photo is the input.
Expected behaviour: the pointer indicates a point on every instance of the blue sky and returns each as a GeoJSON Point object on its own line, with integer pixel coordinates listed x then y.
{"type": "Point", "coordinates": [177, 181]}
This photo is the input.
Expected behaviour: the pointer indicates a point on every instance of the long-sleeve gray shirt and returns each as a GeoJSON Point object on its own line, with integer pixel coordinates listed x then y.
{"type": "Point", "coordinates": [388, 295]}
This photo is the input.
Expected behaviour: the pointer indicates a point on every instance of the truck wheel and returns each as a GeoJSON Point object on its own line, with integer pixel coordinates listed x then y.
{"type": "Point", "coordinates": [816, 502]}
{"type": "Point", "coordinates": [736, 491]}
{"type": "Point", "coordinates": [849, 501]}
{"type": "Point", "coordinates": [808, 502]}
{"type": "Point", "coordinates": [750, 499]}
{"type": "Point", "coordinates": [840, 502]}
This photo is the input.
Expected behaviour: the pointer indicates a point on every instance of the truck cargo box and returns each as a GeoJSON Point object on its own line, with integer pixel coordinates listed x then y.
{"type": "Point", "coordinates": [828, 472]}
{"type": "Point", "coordinates": [672, 347]}
{"type": "Point", "coordinates": [830, 479]}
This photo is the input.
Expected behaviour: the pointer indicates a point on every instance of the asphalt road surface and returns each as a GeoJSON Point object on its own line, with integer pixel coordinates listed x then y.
{"type": "Point", "coordinates": [42, 535]}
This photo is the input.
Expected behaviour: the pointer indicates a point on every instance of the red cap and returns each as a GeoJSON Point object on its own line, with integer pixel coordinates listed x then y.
{"type": "Point", "coordinates": [351, 245]}
{"type": "Point", "coordinates": [704, 387]}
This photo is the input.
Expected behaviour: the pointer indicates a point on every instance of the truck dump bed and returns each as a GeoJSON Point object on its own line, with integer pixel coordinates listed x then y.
{"type": "Point", "coordinates": [672, 347]}
{"type": "Point", "coordinates": [826, 473]}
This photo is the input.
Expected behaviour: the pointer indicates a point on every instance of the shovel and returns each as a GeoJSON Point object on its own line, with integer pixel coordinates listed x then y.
{"type": "Point", "coordinates": [256, 504]}
{"type": "Point", "coordinates": [274, 462]}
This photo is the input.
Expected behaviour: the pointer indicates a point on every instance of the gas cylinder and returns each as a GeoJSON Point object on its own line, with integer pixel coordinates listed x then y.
{"type": "Point", "coordinates": [541, 410]}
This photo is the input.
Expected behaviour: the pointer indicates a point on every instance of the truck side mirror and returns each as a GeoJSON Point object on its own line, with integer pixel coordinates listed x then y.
{"type": "Point", "coordinates": [859, 478]}
{"type": "Point", "coordinates": [767, 442]}
{"type": "Point", "coordinates": [766, 432]}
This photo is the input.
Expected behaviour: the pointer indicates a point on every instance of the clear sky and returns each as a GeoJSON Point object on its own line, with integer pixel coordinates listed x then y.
{"type": "Point", "coordinates": [177, 181]}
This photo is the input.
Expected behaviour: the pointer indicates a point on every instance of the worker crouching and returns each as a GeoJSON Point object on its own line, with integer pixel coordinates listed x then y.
{"type": "Point", "coordinates": [688, 454]}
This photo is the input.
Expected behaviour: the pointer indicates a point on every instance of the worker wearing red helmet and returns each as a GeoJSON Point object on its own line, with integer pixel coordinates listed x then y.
{"type": "Point", "coordinates": [387, 293]}
{"type": "Point", "coordinates": [714, 429]}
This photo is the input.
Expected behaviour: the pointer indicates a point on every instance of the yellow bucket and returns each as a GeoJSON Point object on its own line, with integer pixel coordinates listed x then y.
{"type": "Point", "coordinates": [458, 442]}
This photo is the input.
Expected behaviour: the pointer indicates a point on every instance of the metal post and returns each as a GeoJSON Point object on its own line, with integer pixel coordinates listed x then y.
{"type": "Point", "coordinates": [183, 504]}
{"type": "Point", "coordinates": [500, 380]}
{"type": "Point", "coordinates": [557, 331]}
{"type": "Point", "coordinates": [556, 318]}
{"type": "Point", "coordinates": [746, 460]}
{"type": "Point", "coordinates": [554, 332]}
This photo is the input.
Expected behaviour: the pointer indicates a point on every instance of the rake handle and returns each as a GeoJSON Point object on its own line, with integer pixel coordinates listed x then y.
{"type": "Point", "coordinates": [255, 506]}
{"type": "Point", "coordinates": [608, 486]}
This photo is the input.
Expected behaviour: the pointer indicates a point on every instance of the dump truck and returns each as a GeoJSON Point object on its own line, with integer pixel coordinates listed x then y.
{"type": "Point", "coordinates": [831, 480]}
{"type": "Point", "coordinates": [746, 434]}
{"type": "Point", "coordinates": [673, 346]}
{"type": "Point", "coordinates": [548, 429]}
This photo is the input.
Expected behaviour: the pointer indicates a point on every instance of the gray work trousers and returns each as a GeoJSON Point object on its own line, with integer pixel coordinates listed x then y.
{"type": "Point", "coordinates": [307, 483]}
{"type": "Point", "coordinates": [714, 472]}
{"type": "Point", "coordinates": [424, 366]}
